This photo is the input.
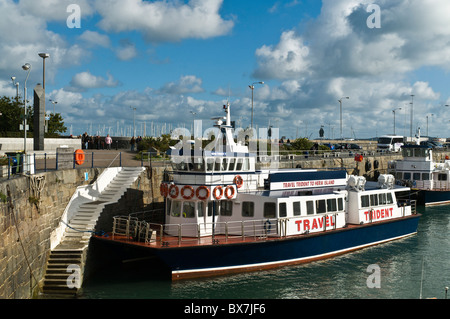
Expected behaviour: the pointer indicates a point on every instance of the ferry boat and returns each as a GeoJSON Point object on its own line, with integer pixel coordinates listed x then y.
{"type": "Point", "coordinates": [418, 170]}
{"type": "Point", "coordinates": [223, 216]}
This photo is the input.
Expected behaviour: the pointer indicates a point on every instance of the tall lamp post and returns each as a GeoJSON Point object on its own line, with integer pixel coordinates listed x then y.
{"type": "Point", "coordinates": [13, 79]}
{"type": "Point", "coordinates": [393, 111]}
{"type": "Point", "coordinates": [25, 67]}
{"type": "Point", "coordinates": [134, 124]}
{"type": "Point", "coordinates": [340, 105]}
{"type": "Point", "coordinates": [252, 87]}
{"type": "Point", "coordinates": [43, 56]}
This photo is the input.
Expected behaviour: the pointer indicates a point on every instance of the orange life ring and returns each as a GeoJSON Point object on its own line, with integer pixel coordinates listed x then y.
{"type": "Point", "coordinates": [202, 197]}
{"type": "Point", "coordinates": [227, 194]}
{"type": "Point", "coordinates": [187, 196]}
{"type": "Point", "coordinates": [238, 181]}
{"type": "Point", "coordinates": [173, 191]}
{"type": "Point", "coordinates": [164, 189]}
{"type": "Point", "coordinates": [218, 188]}
{"type": "Point", "coordinates": [79, 157]}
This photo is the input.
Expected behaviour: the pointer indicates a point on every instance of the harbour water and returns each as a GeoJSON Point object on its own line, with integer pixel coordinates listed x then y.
{"type": "Point", "coordinates": [410, 268]}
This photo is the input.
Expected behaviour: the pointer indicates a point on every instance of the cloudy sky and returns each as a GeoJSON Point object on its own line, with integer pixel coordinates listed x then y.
{"type": "Point", "coordinates": [169, 59]}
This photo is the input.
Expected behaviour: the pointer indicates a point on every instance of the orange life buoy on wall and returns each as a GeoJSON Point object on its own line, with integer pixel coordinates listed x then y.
{"type": "Point", "coordinates": [229, 192]}
{"type": "Point", "coordinates": [198, 192]}
{"type": "Point", "coordinates": [164, 189]}
{"type": "Point", "coordinates": [191, 189]}
{"type": "Point", "coordinates": [238, 181]}
{"type": "Point", "coordinates": [218, 196]}
{"type": "Point", "coordinates": [79, 157]}
{"type": "Point", "coordinates": [173, 191]}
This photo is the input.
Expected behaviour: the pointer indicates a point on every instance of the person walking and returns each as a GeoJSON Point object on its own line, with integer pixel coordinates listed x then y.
{"type": "Point", "coordinates": [132, 143]}
{"type": "Point", "coordinates": [108, 141]}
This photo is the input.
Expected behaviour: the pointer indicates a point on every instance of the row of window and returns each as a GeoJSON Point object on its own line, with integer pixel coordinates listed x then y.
{"type": "Point", "coordinates": [376, 200]}
{"type": "Point", "coordinates": [214, 165]}
{"type": "Point", "coordinates": [415, 176]}
{"type": "Point", "coordinates": [225, 208]}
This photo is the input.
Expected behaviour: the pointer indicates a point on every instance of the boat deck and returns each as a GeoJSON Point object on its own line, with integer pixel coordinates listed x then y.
{"type": "Point", "coordinates": [174, 241]}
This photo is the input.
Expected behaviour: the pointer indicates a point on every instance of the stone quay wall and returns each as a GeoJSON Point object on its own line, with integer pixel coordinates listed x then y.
{"type": "Point", "coordinates": [31, 209]}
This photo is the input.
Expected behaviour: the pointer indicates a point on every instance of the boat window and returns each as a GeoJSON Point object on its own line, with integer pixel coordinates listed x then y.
{"type": "Point", "coordinates": [169, 206]}
{"type": "Point", "coordinates": [389, 199]}
{"type": "Point", "coordinates": [416, 176]}
{"type": "Point", "coordinates": [365, 201]}
{"type": "Point", "coordinates": [296, 208]}
{"type": "Point", "coordinates": [201, 209]}
{"type": "Point", "coordinates": [239, 164]}
{"type": "Point", "coordinates": [226, 208]}
{"type": "Point", "coordinates": [398, 175]}
{"type": "Point", "coordinates": [382, 199]}
{"type": "Point", "coordinates": [340, 204]}
{"type": "Point", "coordinates": [232, 162]}
{"type": "Point", "coordinates": [182, 166]}
{"type": "Point", "coordinates": [407, 176]}
{"type": "Point", "coordinates": [331, 205]}
{"type": "Point", "coordinates": [209, 164]}
{"type": "Point", "coordinates": [320, 206]}
{"type": "Point", "coordinates": [310, 207]}
{"type": "Point", "coordinates": [217, 165]}
{"type": "Point", "coordinates": [248, 209]}
{"type": "Point", "coordinates": [210, 209]}
{"type": "Point", "coordinates": [442, 177]}
{"type": "Point", "coordinates": [176, 208]}
{"type": "Point", "coordinates": [425, 176]}
{"type": "Point", "coordinates": [282, 212]}
{"type": "Point", "coordinates": [269, 210]}
{"type": "Point", "coordinates": [224, 164]}
{"type": "Point", "coordinates": [374, 200]}
{"type": "Point", "coordinates": [189, 209]}
{"type": "Point", "coordinates": [198, 164]}
{"type": "Point", "coordinates": [407, 152]}
{"type": "Point", "coordinates": [247, 164]}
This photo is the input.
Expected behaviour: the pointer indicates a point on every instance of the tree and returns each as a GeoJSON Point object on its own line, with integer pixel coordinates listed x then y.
{"type": "Point", "coordinates": [12, 117]}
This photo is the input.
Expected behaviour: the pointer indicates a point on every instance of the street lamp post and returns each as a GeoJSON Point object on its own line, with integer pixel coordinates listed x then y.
{"type": "Point", "coordinates": [13, 78]}
{"type": "Point", "coordinates": [393, 111]}
{"type": "Point", "coordinates": [43, 56]}
{"type": "Point", "coordinates": [25, 67]}
{"type": "Point", "coordinates": [134, 123]}
{"type": "Point", "coordinates": [252, 87]}
{"type": "Point", "coordinates": [340, 105]}
{"type": "Point", "coordinates": [53, 102]}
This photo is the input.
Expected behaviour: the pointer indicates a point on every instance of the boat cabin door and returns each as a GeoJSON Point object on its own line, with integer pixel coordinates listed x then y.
{"type": "Point", "coordinates": [205, 217]}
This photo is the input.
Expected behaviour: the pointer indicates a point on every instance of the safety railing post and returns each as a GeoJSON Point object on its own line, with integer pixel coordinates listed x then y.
{"type": "Point", "coordinates": [92, 164]}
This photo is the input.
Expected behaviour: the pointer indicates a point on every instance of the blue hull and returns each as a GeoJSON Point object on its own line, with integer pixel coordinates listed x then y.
{"type": "Point", "coordinates": [433, 198]}
{"type": "Point", "coordinates": [220, 259]}
{"type": "Point", "coordinates": [211, 260]}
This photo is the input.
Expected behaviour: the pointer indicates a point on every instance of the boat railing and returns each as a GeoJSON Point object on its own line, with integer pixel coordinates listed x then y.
{"type": "Point", "coordinates": [133, 229]}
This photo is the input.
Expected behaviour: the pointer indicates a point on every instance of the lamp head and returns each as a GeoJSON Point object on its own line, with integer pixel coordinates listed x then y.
{"type": "Point", "coordinates": [44, 55]}
{"type": "Point", "coordinates": [26, 66]}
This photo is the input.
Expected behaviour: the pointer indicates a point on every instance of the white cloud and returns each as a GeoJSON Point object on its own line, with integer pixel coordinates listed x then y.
{"type": "Point", "coordinates": [164, 20]}
{"type": "Point", "coordinates": [95, 38]}
{"type": "Point", "coordinates": [287, 60]}
{"type": "Point", "coordinates": [186, 84]}
{"type": "Point", "coordinates": [85, 80]}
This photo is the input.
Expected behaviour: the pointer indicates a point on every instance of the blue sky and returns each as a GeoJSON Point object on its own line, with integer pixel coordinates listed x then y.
{"type": "Point", "coordinates": [170, 58]}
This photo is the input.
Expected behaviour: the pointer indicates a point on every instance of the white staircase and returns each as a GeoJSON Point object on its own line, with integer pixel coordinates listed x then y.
{"type": "Point", "coordinates": [78, 224]}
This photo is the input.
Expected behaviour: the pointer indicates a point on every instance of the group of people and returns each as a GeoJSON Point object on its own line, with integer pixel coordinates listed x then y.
{"type": "Point", "coordinates": [95, 142]}
{"type": "Point", "coordinates": [135, 141]}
